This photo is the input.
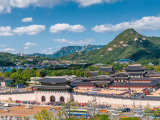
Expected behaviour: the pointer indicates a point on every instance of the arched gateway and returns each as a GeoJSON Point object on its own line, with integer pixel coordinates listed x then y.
{"type": "Point", "coordinates": [62, 99]}
{"type": "Point", "coordinates": [52, 99]}
{"type": "Point", "coordinates": [43, 99]}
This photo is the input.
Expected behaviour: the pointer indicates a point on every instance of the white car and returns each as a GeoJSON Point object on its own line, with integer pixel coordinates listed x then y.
{"type": "Point", "coordinates": [115, 113]}
{"type": "Point", "coordinates": [90, 108]}
{"type": "Point", "coordinates": [139, 115]}
{"type": "Point", "coordinates": [138, 111]}
{"type": "Point", "coordinates": [110, 110]}
{"type": "Point", "coordinates": [28, 107]}
{"type": "Point", "coordinates": [17, 104]}
{"type": "Point", "coordinates": [6, 105]}
{"type": "Point", "coordinates": [6, 109]}
{"type": "Point", "coordinates": [1, 104]}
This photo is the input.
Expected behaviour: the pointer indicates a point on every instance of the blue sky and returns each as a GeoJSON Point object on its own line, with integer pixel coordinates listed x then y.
{"type": "Point", "coordinates": [44, 26]}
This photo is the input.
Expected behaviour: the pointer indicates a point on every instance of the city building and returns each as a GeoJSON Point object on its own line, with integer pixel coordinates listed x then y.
{"type": "Point", "coordinates": [4, 82]}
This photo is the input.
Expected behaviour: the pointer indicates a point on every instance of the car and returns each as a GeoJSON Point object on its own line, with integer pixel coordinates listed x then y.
{"type": "Point", "coordinates": [121, 117]}
{"type": "Point", "coordinates": [138, 111]}
{"type": "Point", "coordinates": [110, 110]}
{"type": "Point", "coordinates": [28, 107]}
{"type": "Point", "coordinates": [17, 104]}
{"type": "Point", "coordinates": [126, 110]}
{"type": "Point", "coordinates": [1, 104]}
{"type": "Point", "coordinates": [115, 114]}
{"type": "Point", "coordinates": [6, 109]}
{"type": "Point", "coordinates": [154, 116]}
{"type": "Point", "coordinates": [139, 115]}
{"type": "Point", "coordinates": [6, 105]}
{"type": "Point", "coordinates": [90, 108]}
{"type": "Point", "coordinates": [103, 111]}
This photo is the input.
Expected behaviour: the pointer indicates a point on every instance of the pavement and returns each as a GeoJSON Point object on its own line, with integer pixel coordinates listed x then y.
{"type": "Point", "coordinates": [91, 112]}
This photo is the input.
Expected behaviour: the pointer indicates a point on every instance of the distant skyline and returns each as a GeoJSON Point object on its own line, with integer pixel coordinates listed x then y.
{"type": "Point", "coordinates": [44, 26]}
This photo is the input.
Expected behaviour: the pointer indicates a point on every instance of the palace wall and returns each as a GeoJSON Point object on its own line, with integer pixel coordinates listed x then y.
{"type": "Point", "coordinates": [37, 95]}
{"type": "Point", "coordinates": [113, 101]}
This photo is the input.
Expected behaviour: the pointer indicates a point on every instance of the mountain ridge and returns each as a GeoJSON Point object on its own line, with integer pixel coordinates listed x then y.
{"type": "Point", "coordinates": [69, 50]}
{"type": "Point", "coordinates": [128, 44]}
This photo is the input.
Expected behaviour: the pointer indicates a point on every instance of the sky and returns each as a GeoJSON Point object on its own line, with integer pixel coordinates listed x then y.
{"type": "Point", "coordinates": [44, 26]}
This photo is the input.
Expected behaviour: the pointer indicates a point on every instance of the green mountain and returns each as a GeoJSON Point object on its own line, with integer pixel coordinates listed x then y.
{"type": "Point", "coordinates": [69, 50]}
{"type": "Point", "coordinates": [128, 44]}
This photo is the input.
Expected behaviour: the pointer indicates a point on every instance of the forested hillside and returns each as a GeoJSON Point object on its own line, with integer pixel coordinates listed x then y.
{"type": "Point", "coordinates": [128, 44]}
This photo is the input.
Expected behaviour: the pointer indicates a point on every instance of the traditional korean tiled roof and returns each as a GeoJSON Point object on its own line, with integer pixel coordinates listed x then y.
{"type": "Point", "coordinates": [51, 87]}
{"type": "Point", "coordinates": [133, 84]}
{"type": "Point", "coordinates": [94, 73]}
{"type": "Point", "coordinates": [144, 78]}
{"type": "Point", "coordinates": [124, 74]}
{"type": "Point", "coordinates": [136, 73]}
{"type": "Point", "coordinates": [135, 67]}
{"type": "Point", "coordinates": [106, 69]}
{"type": "Point", "coordinates": [81, 83]}
{"type": "Point", "coordinates": [53, 80]}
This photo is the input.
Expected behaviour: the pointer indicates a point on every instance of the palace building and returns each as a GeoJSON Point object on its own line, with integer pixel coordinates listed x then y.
{"type": "Point", "coordinates": [53, 84]}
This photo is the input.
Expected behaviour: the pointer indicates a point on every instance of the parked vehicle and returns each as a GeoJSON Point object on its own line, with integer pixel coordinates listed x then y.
{"type": "Point", "coordinates": [138, 111]}
{"type": "Point", "coordinates": [110, 110]}
{"type": "Point", "coordinates": [126, 110]}
{"type": "Point", "coordinates": [115, 113]}
{"type": "Point", "coordinates": [28, 107]}
{"type": "Point", "coordinates": [1, 104]}
{"type": "Point", "coordinates": [6, 105]}
{"type": "Point", "coordinates": [90, 108]}
{"type": "Point", "coordinates": [121, 117]}
{"type": "Point", "coordinates": [6, 109]}
{"type": "Point", "coordinates": [139, 115]}
{"type": "Point", "coordinates": [17, 104]}
{"type": "Point", "coordinates": [154, 116]}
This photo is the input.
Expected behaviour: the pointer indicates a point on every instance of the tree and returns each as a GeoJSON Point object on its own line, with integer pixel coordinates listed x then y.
{"type": "Point", "coordinates": [73, 72]}
{"type": "Point", "coordinates": [38, 74]}
{"type": "Point", "coordinates": [99, 73]}
{"type": "Point", "coordinates": [13, 70]}
{"type": "Point", "coordinates": [78, 73]}
{"type": "Point", "coordinates": [147, 110]}
{"type": "Point", "coordinates": [44, 115]}
{"type": "Point", "coordinates": [26, 77]}
{"type": "Point", "coordinates": [81, 73]}
{"type": "Point", "coordinates": [6, 74]}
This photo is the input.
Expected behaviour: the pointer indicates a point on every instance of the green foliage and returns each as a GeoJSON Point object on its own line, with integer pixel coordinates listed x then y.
{"type": "Point", "coordinates": [128, 44]}
{"type": "Point", "coordinates": [44, 115]}
{"type": "Point", "coordinates": [130, 118]}
{"type": "Point", "coordinates": [99, 73]}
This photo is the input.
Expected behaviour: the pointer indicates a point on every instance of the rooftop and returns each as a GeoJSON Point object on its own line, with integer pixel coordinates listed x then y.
{"type": "Point", "coordinates": [135, 67]}
{"type": "Point", "coordinates": [53, 80]}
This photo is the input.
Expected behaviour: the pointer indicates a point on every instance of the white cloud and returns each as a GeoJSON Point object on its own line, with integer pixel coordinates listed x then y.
{"type": "Point", "coordinates": [27, 19]}
{"type": "Point", "coordinates": [31, 44]}
{"type": "Point", "coordinates": [47, 51]}
{"type": "Point", "coordinates": [7, 5]}
{"type": "Point", "coordinates": [25, 47]}
{"type": "Point", "coordinates": [7, 50]}
{"type": "Point", "coordinates": [144, 24]}
{"type": "Point", "coordinates": [3, 45]}
{"type": "Point", "coordinates": [30, 30]}
{"type": "Point", "coordinates": [66, 27]}
{"type": "Point", "coordinates": [85, 3]}
{"type": "Point", "coordinates": [5, 31]}
{"type": "Point", "coordinates": [78, 42]}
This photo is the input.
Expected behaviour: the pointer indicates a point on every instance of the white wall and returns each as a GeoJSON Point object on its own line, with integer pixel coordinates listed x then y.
{"type": "Point", "coordinates": [36, 96]}
{"type": "Point", "coordinates": [113, 101]}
